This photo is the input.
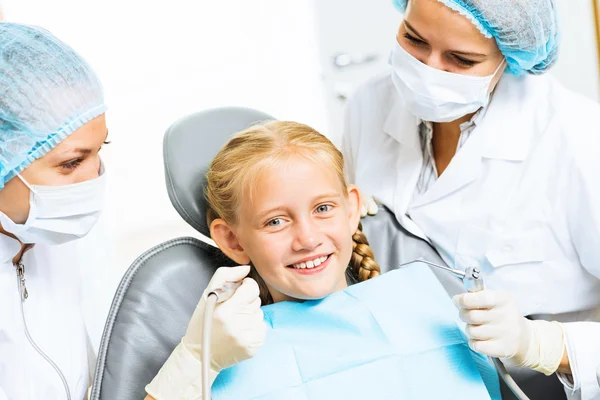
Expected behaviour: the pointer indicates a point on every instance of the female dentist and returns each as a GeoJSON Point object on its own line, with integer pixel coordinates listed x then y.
{"type": "Point", "coordinates": [52, 127]}
{"type": "Point", "coordinates": [495, 164]}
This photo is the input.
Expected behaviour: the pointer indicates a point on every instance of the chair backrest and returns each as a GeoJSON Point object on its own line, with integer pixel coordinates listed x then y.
{"type": "Point", "coordinates": [190, 144]}
{"type": "Point", "coordinates": [160, 290]}
{"type": "Point", "coordinates": [149, 315]}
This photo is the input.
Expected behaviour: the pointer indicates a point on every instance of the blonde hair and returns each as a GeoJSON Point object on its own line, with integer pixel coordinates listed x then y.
{"type": "Point", "coordinates": [248, 152]}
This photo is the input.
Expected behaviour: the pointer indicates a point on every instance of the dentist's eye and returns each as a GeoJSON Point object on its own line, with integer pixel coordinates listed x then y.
{"type": "Point", "coordinates": [414, 40]}
{"type": "Point", "coordinates": [463, 62]}
{"type": "Point", "coordinates": [324, 208]}
{"type": "Point", "coordinates": [70, 165]}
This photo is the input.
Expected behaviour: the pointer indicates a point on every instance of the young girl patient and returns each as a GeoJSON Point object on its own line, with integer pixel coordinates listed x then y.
{"type": "Point", "coordinates": [278, 200]}
{"type": "Point", "coordinates": [279, 205]}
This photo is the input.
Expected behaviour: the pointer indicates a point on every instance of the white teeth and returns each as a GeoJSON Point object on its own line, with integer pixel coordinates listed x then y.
{"type": "Point", "coordinates": [311, 264]}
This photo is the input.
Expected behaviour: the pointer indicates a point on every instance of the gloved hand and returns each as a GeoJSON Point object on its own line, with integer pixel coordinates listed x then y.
{"type": "Point", "coordinates": [368, 207]}
{"type": "Point", "coordinates": [496, 328]}
{"type": "Point", "coordinates": [238, 332]}
{"type": "Point", "coordinates": [238, 329]}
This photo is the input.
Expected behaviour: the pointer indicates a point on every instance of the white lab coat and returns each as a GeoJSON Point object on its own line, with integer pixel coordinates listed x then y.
{"type": "Point", "coordinates": [521, 198]}
{"type": "Point", "coordinates": [55, 321]}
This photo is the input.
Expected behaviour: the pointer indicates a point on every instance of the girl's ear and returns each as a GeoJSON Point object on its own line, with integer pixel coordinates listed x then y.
{"type": "Point", "coordinates": [228, 242]}
{"type": "Point", "coordinates": [354, 204]}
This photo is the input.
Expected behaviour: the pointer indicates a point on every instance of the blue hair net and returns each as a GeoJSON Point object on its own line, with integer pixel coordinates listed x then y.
{"type": "Point", "coordinates": [47, 91]}
{"type": "Point", "coordinates": [526, 31]}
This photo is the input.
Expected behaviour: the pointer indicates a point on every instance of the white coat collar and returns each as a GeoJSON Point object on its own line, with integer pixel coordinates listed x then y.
{"type": "Point", "coordinates": [512, 118]}
{"type": "Point", "coordinates": [508, 125]}
{"type": "Point", "coordinates": [401, 124]}
{"type": "Point", "coordinates": [9, 248]}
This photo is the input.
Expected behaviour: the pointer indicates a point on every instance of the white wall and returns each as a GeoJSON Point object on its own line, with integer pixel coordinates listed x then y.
{"type": "Point", "coordinates": [577, 67]}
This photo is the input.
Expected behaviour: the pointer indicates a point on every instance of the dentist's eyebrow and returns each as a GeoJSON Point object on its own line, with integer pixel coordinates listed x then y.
{"type": "Point", "coordinates": [79, 151]}
{"type": "Point", "coordinates": [459, 52]}
{"type": "Point", "coordinates": [417, 34]}
{"type": "Point", "coordinates": [469, 54]}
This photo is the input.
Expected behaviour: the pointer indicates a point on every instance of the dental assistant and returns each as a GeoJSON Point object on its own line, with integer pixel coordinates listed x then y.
{"type": "Point", "coordinates": [479, 151]}
{"type": "Point", "coordinates": [52, 128]}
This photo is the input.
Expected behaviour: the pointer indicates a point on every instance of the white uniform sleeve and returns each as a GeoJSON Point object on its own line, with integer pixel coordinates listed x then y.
{"type": "Point", "coordinates": [583, 211]}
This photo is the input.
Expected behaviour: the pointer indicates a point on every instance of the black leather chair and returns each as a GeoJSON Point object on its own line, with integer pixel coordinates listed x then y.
{"type": "Point", "coordinates": [160, 290]}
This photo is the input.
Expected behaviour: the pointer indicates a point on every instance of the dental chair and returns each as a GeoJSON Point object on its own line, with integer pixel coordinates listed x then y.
{"type": "Point", "coordinates": [159, 292]}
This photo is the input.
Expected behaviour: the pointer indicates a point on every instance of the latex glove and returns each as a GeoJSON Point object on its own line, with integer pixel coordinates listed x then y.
{"type": "Point", "coordinates": [496, 328]}
{"type": "Point", "coordinates": [238, 332]}
{"type": "Point", "coordinates": [238, 326]}
{"type": "Point", "coordinates": [368, 207]}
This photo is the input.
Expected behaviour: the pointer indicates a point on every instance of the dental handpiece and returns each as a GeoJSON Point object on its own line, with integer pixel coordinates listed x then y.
{"type": "Point", "coordinates": [225, 292]}
{"type": "Point", "coordinates": [472, 280]}
{"type": "Point", "coordinates": [214, 297]}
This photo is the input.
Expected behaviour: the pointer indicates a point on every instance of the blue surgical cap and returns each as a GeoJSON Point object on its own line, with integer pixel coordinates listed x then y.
{"type": "Point", "coordinates": [526, 31]}
{"type": "Point", "coordinates": [47, 91]}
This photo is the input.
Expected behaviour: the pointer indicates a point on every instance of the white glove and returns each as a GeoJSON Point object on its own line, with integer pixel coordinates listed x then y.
{"type": "Point", "coordinates": [496, 328]}
{"type": "Point", "coordinates": [238, 332]}
{"type": "Point", "coordinates": [368, 207]}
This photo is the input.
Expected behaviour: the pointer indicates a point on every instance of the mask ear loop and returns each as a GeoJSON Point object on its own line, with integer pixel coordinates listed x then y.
{"type": "Point", "coordinates": [26, 184]}
{"type": "Point", "coordinates": [500, 65]}
{"type": "Point", "coordinates": [495, 72]}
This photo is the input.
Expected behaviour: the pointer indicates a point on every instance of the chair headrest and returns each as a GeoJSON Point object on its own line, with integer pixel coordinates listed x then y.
{"type": "Point", "coordinates": [189, 146]}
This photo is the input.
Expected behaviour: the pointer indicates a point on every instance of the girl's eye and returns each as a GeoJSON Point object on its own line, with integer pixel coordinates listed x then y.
{"type": "Point", "coordinates": [274, 222]}
{"type": "Point", "coordinates": [324, 208]}
{"type": "Point", "coordinates": [72, 164]}
{"type": "Point", "coordinates": [414, 40]}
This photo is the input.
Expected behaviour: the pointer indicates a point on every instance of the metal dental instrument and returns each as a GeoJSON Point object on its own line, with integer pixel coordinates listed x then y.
{"type": "Point", "coordinates": [473, 282]}
{"type": "Point", "coordinates": [214, 297]}
{"type": "Point", "coordinates": [471, 277]}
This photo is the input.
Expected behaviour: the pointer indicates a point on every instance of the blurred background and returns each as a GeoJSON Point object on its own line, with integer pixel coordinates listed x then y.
{"type": "Point", "coordinates": [296, 60]}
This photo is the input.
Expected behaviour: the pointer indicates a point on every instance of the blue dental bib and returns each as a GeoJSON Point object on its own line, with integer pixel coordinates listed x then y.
{"type": "Point", "coordinates": [392, 337]}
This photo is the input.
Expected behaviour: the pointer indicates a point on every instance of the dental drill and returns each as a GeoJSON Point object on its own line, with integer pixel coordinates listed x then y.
{"type": "Point", "coordinates": [214, 297]}
{"type": "Point", "coordinates": [473, 282]}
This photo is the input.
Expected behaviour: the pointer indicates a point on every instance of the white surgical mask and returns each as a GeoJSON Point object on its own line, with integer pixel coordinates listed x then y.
{"type": "Point", "coordinates": [434, 95]}
{"type": "Point", "coordinates": [59, 214]}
